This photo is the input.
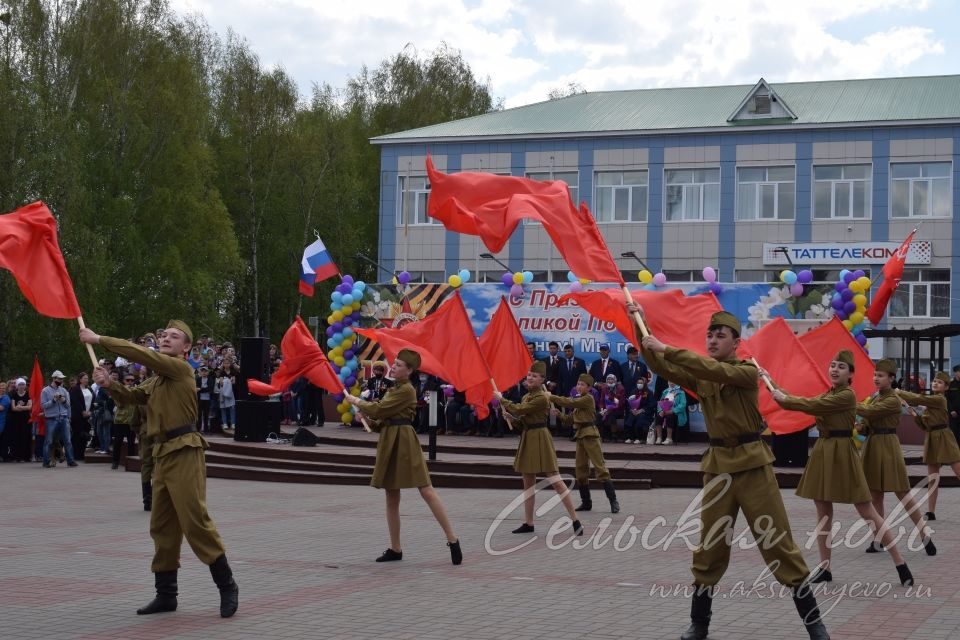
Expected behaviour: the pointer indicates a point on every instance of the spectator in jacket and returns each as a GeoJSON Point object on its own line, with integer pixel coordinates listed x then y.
{"type": "Point", "coordinates": [612, 401]}
{"type": "Point", "coordinates": [639, 413]}
{"type": "Point", "coordinates": [101, 412]}
{"type": "Point", "coordinates": [672, 408]}
{"type": "Point", "coordinates": [204, 394]}
{"type": "Point", "coordinates": [55, 402]}
{"type": "Point", "coordinates": [605, 365]}
{"type": "Point", "coordinates": [81, 401]}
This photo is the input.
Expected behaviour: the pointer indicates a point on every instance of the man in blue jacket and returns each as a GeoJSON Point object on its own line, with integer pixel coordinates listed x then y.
{"type": "Point", "coordinates": [55, 402]}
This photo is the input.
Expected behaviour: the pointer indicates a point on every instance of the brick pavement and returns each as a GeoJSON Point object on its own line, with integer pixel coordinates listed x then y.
{"type": "Point", "coordinates": [75, 552]}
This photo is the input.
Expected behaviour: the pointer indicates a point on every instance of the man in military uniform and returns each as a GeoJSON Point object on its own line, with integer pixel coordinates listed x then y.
{"type": "Point", "coordinates": [180, 478]}
{"type": "Point", "coordinates": [737, 471]}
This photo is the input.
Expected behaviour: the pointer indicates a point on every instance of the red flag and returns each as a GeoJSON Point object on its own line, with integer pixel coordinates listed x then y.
{"type": "Point", "coordinates": [302, 356]}
{"type": "Point", "coordinates": [36, 388]}
{"type": "Point", "coordinates": [825, 341]}
{"type": "Point", "coordinates": [29, 249]}
{"type": "Point", "coordinates": [491, 206]}
{"type": "Point", "coordinates": [505, 351]}
{"type": "Point", "coordinates": [677, 320]}
{"type": "Point", "coordinates": [446, 343]}
{"type": "Point", "coordinates": [892, 272]}
{"type": "Point", "coordinates": [777, 349]}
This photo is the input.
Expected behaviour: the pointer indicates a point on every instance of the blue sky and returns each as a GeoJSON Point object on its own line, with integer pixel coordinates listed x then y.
{"type": "Point", "coordinates": [527, 48]}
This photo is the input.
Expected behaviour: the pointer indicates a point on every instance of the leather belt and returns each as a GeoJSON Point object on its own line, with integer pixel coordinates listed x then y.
{"type": "Point", "coordinates": [883, 432]}
{"type": "Point", "coordinates": [583, 425]}
{"type": "Point", "coordinates": [536, 425]}
{"type": "Point", "coordinates": [937, 427]}
{"type": "Point", "coordinates": [179, 431]}
{"type": "Point", "coordinates": [838, 433]}
{"type": "Point", "coordinates": [734, 441]}
{"type": "Point", "coordinates": [399, 422]}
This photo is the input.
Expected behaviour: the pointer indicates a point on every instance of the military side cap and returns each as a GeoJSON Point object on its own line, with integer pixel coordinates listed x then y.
{"type": "Point", "coordinates": [725, 319]}
{"type": "Point", "coordinates": [844, 356]}
{"type": "Point", "coordinates": [942, 377]}
{"type": "Point", "coordinates": [887, 366]}
{"type": "Point", "coordinates": [410, 358]}
{"type": "Point", "coordinates": [181, 326]}
{"type": "Point", "coordinates": [539, 367]}
{"type": "Point", "coordinates": [586, 378]}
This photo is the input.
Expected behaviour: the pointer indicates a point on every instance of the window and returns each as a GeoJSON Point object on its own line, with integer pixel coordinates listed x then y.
{"type": "Point", "coordinates": [692, 194]}
{"type": "Point", "coordinates": [620, 196]}
{"type": "Point", "coordinates": [765, 193]}
{"type": "Point", "coordinates": [841, 191]}
{"type": "Point", "coordinates": [572, 179]}
{"type": "Point", "coordinates": [923, 293]}
{"type": "Point", "coordinates": [920, 189]}
{"type": "Point", "coordinates": [686, 276]}
{"type": "Point", "coordinates": [414, 191]}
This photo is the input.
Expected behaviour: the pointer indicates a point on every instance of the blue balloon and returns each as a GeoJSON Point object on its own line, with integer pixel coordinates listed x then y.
{"type": "Point", "coordinates": [571, 277]}
{"type": "Point", "coordinates": [464, 275]}
{"type": "Point", "coordinates": [360, 284]}
{"type": "Point", "coordinates": [789, 277]}
{"type": "Point", "coordinates": [332, 343]}
{"type": "Point", "coordinates": [338, 337]}
{"type": "Point", "coordinates": [856, 329]}
{"type": "Point", "coordinates": [843, 274]}
{"type": "Point", "coordinates": [335, 306]}
{"type": "Point", "coordinates": [335, 296]}
{"type": "Point", "coordinates": [347, 332]}
{"type": "Point", "coordinates": [527, 277]}
{"type": "Point", "coordinates": [347, 299]}
{"type": "Point", "coordinates": [650, 287]}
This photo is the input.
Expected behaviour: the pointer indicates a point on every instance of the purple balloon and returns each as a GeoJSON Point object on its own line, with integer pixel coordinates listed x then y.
{"type": "Point", "coordinates": [846, 295]}
{"type": "Point", "coordinates": [859, 273]}
{"type": "Point", "coordinates": [849, 277]}
{"type": "Point", "coordinates": [335, 366]}
{"type": "Point", "coordinates": [715, 288]}
{"type": "Point", "coordinates": [837, 303]}
{"type": "Point", "coordinates": [330, 331]}
{"type": "Point", "coordinates": [348, 354]}
{"type": "Point", "coordinates": [841, 314]}
{"type": "Point", "coordinates": [840, 286]}
{"type": "Point", "coordinates": [805, 276]}
{"type": "Point", "coordinates": [355, 315]}
{"type": "Point", "coordinates": [849, 307]}
{"type": "Point", "coordinates": [516, 291]}
{"type": "Point", "coordinates": [507, 279]}
{"type": "Point", "coordinates": [862, 339]}
{"type": "Point", "coordinates": [796, 289]}
{"type": "Point", "coordinates": [403, 277]}
{"type": "Point", "coordinates": [348, 279]}
{"type": "Point", "coordinates": [337, 326]}
{"type": "Point", "coordinates": [338, 397]}
{"type": "Point", "coordinates": [352, 380]}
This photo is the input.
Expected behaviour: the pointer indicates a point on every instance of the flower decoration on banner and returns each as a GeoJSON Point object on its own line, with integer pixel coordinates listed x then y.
{"type": "Point", "coordinates": [459, 279]}
{"type": "Point", "coordinates": [849, 302]}
{"type": "Point", "coordinates": [345, 301]}
{"type": "Point", "coordinates": [710, 276]}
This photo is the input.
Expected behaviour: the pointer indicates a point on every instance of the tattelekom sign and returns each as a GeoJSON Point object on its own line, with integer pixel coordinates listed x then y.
{"type": "Point", "coordinates": [843, 253]}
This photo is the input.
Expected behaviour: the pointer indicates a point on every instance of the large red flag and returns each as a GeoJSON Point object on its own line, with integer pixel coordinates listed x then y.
{"type": "Point", "coordinates": [29, 249]}
{"type": "Point", "coordinates": [302, 356]}
{"type": "Point", "coordinates": [892, 272]}
{"type": "Point", "coordinates": [505, 351]}
{"type": "Point", "coordinates": [491, 206]}
{"type": "Point", "coordinates": [36, 388]}
{"type": "Point", "coordinates": [446, 343]}
{"type": "Point", "coordinates": [675, 319]}
{"type": "Point", "coordinates": [777, 349]}
{"type": "Point", "coordinates": [825, 341]}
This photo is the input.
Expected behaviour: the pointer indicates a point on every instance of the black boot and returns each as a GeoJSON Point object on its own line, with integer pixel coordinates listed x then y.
{"type": "Point", "coordinates": [147, 489]}
{"type": "Point", "coordinates": [586, 502]}
{"type": "Point", "coordinates": [456, 554]}
{"type": "Point", "coordinates": [229, 592]}
{"type": "Point", "coordinates": [700, 613]}
{"type": "Point", "coordinates": [611, 496]}
{"type": "Point", "coordinates": [906, 578]}
{"type": "Point", "coordinates": [809, 612]}
{"type": "Point", "coordinates": [166, 599]}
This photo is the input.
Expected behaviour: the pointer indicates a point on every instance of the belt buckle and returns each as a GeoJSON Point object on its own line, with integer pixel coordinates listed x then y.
{"type": "Point", "coordinates": [731, 442]}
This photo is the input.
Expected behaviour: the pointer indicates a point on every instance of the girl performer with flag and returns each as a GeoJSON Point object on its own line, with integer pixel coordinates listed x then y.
{"type": "Point", "coordinates": [536, 454]}
{"type": "Point", "coordinates": [882, 456]}
{"type": "Point", "coordinates": [834, 473]}
{"type": "Point", "coordinates": [400, 463]}
{"type": "Point", "coordinates": [939, 443]}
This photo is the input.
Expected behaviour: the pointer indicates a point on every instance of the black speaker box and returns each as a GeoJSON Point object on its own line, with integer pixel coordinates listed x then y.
{"type": "Point", "coordinates": [256, 420]}
{"type": "Point", "coordinates": [305, 438]}
{"type": "Point", "coordinates": [254, 363]}
{"type": "Point", "coordinates": [791, 450]}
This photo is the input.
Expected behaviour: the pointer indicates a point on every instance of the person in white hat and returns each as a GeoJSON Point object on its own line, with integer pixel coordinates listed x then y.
{"type": "Point", "coordinates": [55, 402]}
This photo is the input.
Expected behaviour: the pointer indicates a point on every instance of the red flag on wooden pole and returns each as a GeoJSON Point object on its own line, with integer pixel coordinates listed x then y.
{"type": "Point", "coordinates": [825, 341]}
{"type": "Point", "coordinates": [36, 388]}
{"type": "Point", "coordinates": [302, 356]}
{"type": "Point", "coordinates": [892, 272]}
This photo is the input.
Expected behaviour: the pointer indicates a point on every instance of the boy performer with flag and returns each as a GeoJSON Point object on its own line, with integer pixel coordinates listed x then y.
{"type": "Point", "coordinates": [737, 470]}
{"type": "Point", "coordinates": [584, 420]}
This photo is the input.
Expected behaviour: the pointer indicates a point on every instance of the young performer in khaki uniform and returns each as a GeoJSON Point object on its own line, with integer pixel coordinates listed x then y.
{"type": "Point", "coordinates": [939, 443]}
{"type": "Point", "coordinates": [883, 463]}
{"type": "Point", "coordinates": [584, 419]}
{"type": "Point", "coordinates": [834, 473]}
{"type": "Point", "coordinates": [728, 390]}
{"type": "Point", "coordinates": [536, 454]}
{"type": "Point", "coordinates": [400, 463]}
{"type": "Point", "coordinates": [180, 475]}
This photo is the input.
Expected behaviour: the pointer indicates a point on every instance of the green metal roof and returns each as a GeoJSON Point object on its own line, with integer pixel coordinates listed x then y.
{"type": "Point", "coordinates": [834, 102]}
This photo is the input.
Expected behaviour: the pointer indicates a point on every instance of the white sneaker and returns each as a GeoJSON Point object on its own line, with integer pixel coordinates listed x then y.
{"type": "Point", "coordinates": [637, 442]}
{"type": "Point", "coordinates": [628, 442]}
{"type": "Point", "coordinates": [658, 441]}
{"type": "Point", "coordinates": [668, 441]}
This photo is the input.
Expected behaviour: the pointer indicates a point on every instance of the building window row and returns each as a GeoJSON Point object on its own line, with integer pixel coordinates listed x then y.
{"type": "Point", "coordinates": [840, 191]}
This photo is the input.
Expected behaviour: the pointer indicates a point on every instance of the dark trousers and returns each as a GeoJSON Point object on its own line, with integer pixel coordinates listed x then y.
{"type": "Point", "coordinates": [119, 432]}
{"type": "Point", "coordinates": [80, 435]}
{"type": "Point", "coordinates": [203, 415]}
{"type": "Point", "coordinates": [466, 417]}
{"type": "Point", "coordinates": [635, 426]}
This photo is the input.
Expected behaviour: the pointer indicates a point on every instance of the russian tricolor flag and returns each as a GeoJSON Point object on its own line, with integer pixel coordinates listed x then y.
{"type": "Point", "coordinates": [316, 265]}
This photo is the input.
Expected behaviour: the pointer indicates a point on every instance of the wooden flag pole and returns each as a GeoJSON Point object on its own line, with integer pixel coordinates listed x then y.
{"type": "Point", "coordinates": [363, 421]}
{"type": "Point", "coordinates": [766, 378]}
{"type": "Point", "coordinates": [636, 314]}
{"type": "Point", "coordinates": [506, 416]}
{"type": "Point", "coordinates": [93, 357]}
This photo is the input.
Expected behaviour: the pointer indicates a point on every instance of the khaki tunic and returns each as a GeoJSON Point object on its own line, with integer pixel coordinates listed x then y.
{"type": "Point", "coordinates": [179, 472]}
{"type": "Point", "coordinates": [400, 463]}
{"type": "Point", "coordinates": [834, 472]}
{"type": "Point", "coordinates": [728, 398]}
{"type": "Point", "coordinates": [940, 445]}
{"type": "Point", "coordinates": [883, 463]}
{"type": "Point", "coordinates": [536, 453]}
{"type": "Point", "coordinates": [588, 438]}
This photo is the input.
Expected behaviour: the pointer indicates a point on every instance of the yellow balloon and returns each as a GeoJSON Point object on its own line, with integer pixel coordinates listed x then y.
{"type": "Point", "coordinates": [856, 318]}
{"type": "Point", "coordinates": [856, 286]}
{"type": "Point", "coordinates": [346, 417]}
{"type": "Point", "coordinates": [864, 282]}
{"type": "Point", "coordinates": [645, 277]}
{"type": "Point", "coordinates": [518, 278]}
{"type": "Point", "coordinates": [455, 281]}
{"type": "Point", "coordinates": [781, 274]}
{"type": "Point", "coordinates": [860, 300]}
{"type": "Point", "coordinates": [330, 319]}
{"type": "Point", "coordinates": [847, 325]}
{"type": "Point", "coordinates": [337, 316]}
{"type": "Point", "coordinates": [340, 361]}
{"type": "Point", "coordinates": [356, 305]}
{"type": "Point", "coordinates": [584, 280]}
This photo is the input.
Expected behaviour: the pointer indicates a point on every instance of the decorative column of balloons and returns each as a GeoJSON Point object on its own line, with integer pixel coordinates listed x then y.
{"type": "Point", "coordinates": [459, 279]}
{"type": "Point", "coordinates": [795, 281]}
{"type": "Point", "coordinates": [652, 281]}
{"type": "Point", "coordinates": [344, 314]}
{"type": "Point", "coordinates": [710, 275]}
{"type": "Point", "coordinates": [516, 281]}
{"type": "Point", "coordinates": [576, 284]}
{"type": "Point", "coordinates": [850, 302]}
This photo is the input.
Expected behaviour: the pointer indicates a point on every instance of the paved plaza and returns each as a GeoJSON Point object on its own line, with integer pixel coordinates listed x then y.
{"type": "Point", "coordinates": [75, 554]}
